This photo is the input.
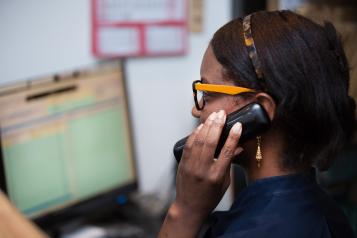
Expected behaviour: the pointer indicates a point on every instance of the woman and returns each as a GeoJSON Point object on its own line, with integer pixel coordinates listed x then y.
{"type": "Point", "coordinates": [297, 71]}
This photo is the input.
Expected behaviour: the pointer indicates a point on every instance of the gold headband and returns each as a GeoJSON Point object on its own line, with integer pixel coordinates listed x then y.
{"type": "Point", "coordinates": [249, 42]}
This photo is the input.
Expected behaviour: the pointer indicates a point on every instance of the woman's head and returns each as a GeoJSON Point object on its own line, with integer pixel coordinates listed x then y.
{"type": "Point", "coordinates": [305, 72]}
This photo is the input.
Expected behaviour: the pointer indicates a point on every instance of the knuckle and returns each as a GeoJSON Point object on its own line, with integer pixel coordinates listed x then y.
{"type": "Point", "coordinates": [211, 143]}
{"type": "Point", "coordinates": [209, 121]}
{"type": "Point", "coordinates": [234, 136]}
{"type": "Point", "coordinates": [198, 176]}
{"type": "Point", "coordinates": [199, 142]}
{"type": "Point", "coordinates": [188, 147]}
{"type": "Point", "coordinates": [214, 176]}
{"type": "Point", "coordinates": [213, 180]}
{"type": "Point", "coordinates": [228, 151]}
{"type": "Point", "coordinates": [187, 171]}
{"type": "Point", "coordinates": [218, 123]}
{"type": "Point", "coordinates": [218, 126]}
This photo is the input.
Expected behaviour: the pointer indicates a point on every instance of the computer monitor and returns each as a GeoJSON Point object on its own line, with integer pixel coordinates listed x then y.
{"type": "Point", "coordinates": [66, 141]}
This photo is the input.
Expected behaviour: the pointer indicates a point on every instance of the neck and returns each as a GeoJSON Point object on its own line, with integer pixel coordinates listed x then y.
{"type": "Point", "coordinates": [267, 169]}
{"type": "Point", "coordinates": [271, 163]}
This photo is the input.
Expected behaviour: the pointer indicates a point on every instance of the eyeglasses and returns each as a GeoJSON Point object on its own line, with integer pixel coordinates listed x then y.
{"type": "Point", "coordinates": [199, 89]}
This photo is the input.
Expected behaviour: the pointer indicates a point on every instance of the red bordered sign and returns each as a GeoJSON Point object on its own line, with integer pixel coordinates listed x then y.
{"type": "Point", "coordinates": [139, 27]}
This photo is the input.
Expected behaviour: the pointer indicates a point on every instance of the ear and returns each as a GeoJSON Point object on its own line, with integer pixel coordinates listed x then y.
{"type": "Point", "coordinates": [268, 103]}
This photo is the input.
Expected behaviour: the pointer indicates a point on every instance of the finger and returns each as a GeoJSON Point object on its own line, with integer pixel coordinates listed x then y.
{"type": "Point", "coordinates": [227, 152]}
{"type": "Point", "coordinates": [200, 139]}
{"type": "Point", "coordinates": [189, 143]}
{"type": "Point", "coordinates": [238, 151]}
{"type": "Point", "coordinates": [213, 136]}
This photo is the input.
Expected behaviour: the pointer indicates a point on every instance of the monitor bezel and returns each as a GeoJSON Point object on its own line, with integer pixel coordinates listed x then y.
{"type": "Point", "coordinates": [91, 204]}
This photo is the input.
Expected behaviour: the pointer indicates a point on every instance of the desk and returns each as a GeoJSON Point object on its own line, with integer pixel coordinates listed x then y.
{"type": "Point", "coordinates": [115, 221]}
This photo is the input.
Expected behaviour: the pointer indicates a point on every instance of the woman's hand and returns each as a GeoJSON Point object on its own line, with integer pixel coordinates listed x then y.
{"type": "Point", "coordinates": [201, 179]}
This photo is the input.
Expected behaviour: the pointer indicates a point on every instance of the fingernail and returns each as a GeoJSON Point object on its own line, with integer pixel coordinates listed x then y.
{"type": "Point", "coordinates": [237, 128]}
{"type": "Point", "coordinates": [200, 127]}
{"type": "Point", "coordinates": [212, 116]}
{"type": "Point", "coordinates": [220, 115]}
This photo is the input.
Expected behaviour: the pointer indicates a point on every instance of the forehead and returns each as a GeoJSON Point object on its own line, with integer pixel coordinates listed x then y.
{"type": "Point", "coordinates": [211, 69]}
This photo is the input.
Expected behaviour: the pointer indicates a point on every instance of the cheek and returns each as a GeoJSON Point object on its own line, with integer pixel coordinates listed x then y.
{"type": "Point", "coordinates": [225, 104]}
{"type": "Point", "coordinates": [204, 115]}
{"type": "Point", "coordinates": [234, 104]}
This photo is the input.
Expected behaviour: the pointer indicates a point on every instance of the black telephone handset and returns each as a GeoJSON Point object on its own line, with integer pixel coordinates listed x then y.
{"type": "Point", "coordinates": [254, 119]}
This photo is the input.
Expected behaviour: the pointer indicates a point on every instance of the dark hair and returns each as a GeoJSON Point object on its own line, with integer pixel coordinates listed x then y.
{"type": "Point", "coordinates": [305, 71]}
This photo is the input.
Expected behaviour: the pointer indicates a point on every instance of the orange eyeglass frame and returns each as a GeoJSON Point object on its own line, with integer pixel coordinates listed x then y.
{"type": "Point", "coordinates": [197, 85]}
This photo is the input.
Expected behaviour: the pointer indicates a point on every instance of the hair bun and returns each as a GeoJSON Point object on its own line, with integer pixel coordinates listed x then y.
{"type": "Point", "coordinates": [352, 103]}
{"type": "Point", "coordinates": [335, 45]}
{"type": "Point", "coordinates": [331, 34]}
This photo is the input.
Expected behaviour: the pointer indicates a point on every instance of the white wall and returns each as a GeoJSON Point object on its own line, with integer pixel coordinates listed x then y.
{"type": "Point", "coordinates": [44, 37]}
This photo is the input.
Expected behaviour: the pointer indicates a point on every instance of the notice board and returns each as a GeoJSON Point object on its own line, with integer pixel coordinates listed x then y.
{"type": "Point", "coordinates": [122, 28]}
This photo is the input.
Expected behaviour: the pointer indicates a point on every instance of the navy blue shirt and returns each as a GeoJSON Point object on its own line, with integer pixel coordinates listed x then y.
{"type": "Point", "coordinates": [282, 207]}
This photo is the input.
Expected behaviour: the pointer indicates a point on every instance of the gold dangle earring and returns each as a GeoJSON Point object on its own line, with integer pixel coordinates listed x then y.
{"type": "Point", "coordinates": [258, 156]}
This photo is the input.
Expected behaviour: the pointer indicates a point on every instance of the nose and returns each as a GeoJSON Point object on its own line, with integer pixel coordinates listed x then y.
{"type": "Point", "coordinates": [196, 113]}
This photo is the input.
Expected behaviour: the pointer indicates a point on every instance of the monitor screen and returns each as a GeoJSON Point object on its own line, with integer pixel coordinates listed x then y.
{"type": "Point", "coordinates": [65, 140]}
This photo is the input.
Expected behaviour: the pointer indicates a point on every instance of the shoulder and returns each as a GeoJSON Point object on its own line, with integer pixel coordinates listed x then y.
{"type": "Point", "coordinates": [284, 215]}
{"type": "Point", "coordinates": [292, 226]}
{"type": "Point", "coordinates": [273, 225]}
